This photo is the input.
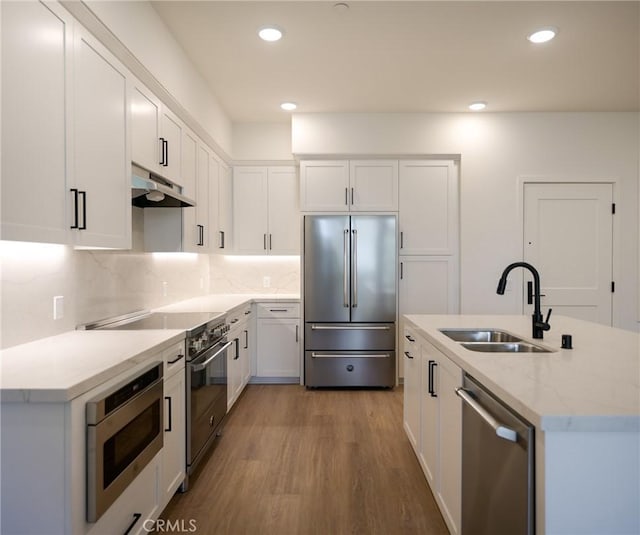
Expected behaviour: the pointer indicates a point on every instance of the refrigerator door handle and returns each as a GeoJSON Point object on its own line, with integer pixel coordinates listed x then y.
{"type": "Point", "coordinates": [345, 278]}
{"type": "Point", "coordinates": [315, 327]}
{"type": "Point", "coordinates": [354, 270]}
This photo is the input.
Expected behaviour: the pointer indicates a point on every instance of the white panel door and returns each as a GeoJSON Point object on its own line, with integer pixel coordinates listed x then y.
{"type": "Point", "coordinates": [35, 38]}
{"type": "Point", "coordinates": [171, 167]}
{"type": "Point", "coordinates": [190, 231]}
{"type": "Point", "coordinates": [324, 186]}
{"type": "Point", "coordinates": [568, 235]}
{"type": "Point", "coordinates": [102, 160]}
{"type": "Point", "coordinates": [214, 202]}
{"type": "Point", "coordinates": [225, 210]}
{"type": "Point", "coordinates": [250, 210]}
{"type": "Point", "coordinates": [278, 351]}
{"type": "Point", "coordinates": [145, 128]}
{"type": "Point", "coordinates": [202, 200]}
{"type": "Point", "coordinates": [428, 207]}
{"type": "Point", "coordinates": [284, 213]}
{"type": "Point", "coordinates": [373, 186]}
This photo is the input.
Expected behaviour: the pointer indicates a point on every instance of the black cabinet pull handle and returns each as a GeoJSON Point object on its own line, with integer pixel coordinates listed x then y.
{"type": "Point", "coordinates": [431, 387]}
{"type": "Point", "coordinates": [270, 247]}
{"type": "Point", "coordinates": [346, 196]}
{"type": "Point", "coordinates": [200, 235]}
{"type": "Point", "coordinates": [175, 360]}
{"type": "Point", "coordinates": [408, 354]}
{"type": "Point", "coordinates": [166, 153]}
{"type": "Point", "coordinates": [221, 239]}
{"type": "Point", "coordinates": [168, 398]}
{"type": "Point", "coordinates": [264, 241]}
{"type": "Point", "coordinates": [247, 312]}
{"type": "Point", "coordinates": [75, 207]}
{"type": "Point", "coordinates": [401, 270]}
{"type": "Point", "coordinates": [408, 337]}
{"type": "Point", "coordinates": [236, 341]}
{"type": "Point", "coordinates": [401, 239]}
{"type": "Point", "coordinates": [246, 339]}
{"type": "Point", "coordinates": [162, 151]}
{"type": "Point", "coordinates": [297, 333]}
{"type": "Point", "coordinates": [136, 517]}
{"type": "Point", "coordinates": [351, 195]}
{"type": "Point", "coordinates": [84, 210]}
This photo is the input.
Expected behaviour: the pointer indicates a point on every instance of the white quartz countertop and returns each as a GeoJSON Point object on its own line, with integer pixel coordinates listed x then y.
{"type": "Point", "coordinates": [593, 387]}
{"type": "Point", "coordinates": [61, 368]}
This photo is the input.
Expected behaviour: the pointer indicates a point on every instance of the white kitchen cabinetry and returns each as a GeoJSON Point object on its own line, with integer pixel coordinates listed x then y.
{"type": "Point", "coordinates": [239, 353]}
{"type": "Point", "coordinates": [278, 343]}
{"type": "Point", "coordinates": [101, 191]}
{"type": "Point", "coordinates": [428, 207]}
{"type": "Point", "coordinates": [156, 135]}
{"type": "Point", "coordinates": [224, 242]}
{"type": "Point", "coordinates": [265, 210]}
{"type": "Point", "coordinates": [342, 186]}
{"type": "Point", "coordinates": [412, 392]}
{"type": "Point", "coordinates": [440, 442]}
{"type": "Point", "coordinates": [173, 451]}
{"type": "Point", "coordinates": [35, 74]}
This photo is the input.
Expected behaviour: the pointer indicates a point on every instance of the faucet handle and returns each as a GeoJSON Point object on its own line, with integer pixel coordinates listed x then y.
{"type": "Point", "coordinates": [546, 325]}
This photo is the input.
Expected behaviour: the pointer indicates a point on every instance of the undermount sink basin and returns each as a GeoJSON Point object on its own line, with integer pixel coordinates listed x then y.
{"type": "Point", "coordinates": [504, 347]}
{"type": "Point", "coordinates": [480, 335]}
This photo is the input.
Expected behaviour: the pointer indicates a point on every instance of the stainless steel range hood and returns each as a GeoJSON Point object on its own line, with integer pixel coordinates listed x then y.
{"type": "Point", "coordinates": [150, 191]}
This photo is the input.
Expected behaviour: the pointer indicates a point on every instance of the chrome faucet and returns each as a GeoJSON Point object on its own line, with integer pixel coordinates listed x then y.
{"type": "Point", "coordinates": [538, 325]}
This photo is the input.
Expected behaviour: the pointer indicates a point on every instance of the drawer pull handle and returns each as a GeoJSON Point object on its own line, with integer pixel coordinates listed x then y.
{"type": "Point", "coordinates": [278, 310]}
{"type": "Point", "coordinates": [342, 355]}
{"type": "Point", "coordinates": [175, 360]}
{"type": "Point", "coordinates": [136, 517]}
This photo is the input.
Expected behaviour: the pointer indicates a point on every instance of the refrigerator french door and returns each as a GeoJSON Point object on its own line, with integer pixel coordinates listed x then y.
{"type": "Point", "coordinates": [350, 300]}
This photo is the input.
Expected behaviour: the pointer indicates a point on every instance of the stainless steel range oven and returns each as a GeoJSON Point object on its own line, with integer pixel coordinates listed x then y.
{"type": "Point", "coordinates": [124, 433]}
{"type": "Point", "coordinates": [206, 371]}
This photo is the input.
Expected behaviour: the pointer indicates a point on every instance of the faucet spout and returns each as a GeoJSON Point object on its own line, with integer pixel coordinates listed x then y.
{"type": "Point", "coordinates": [538, 324]}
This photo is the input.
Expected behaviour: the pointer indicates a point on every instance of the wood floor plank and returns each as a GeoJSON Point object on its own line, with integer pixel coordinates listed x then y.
{"type": "Point", "coordinates": [293, 461]}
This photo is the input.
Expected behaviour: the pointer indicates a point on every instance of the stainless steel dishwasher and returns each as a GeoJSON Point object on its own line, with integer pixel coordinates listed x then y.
{"type": "Point", "coordinates": [497, 465]}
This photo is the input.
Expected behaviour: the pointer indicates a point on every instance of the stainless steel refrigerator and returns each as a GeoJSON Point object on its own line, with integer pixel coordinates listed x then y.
{"type": "Point", "coordinates": [350, 300]}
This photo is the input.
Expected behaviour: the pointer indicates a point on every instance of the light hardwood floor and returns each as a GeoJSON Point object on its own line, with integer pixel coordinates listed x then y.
{"type": "Point", "coordinates": [296, 461]}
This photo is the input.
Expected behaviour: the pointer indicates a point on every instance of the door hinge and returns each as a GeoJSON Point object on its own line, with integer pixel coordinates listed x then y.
{"type": "Point", "coordinates": [613, 286]}
{"type": "Point", "coordinates": [613, 208]}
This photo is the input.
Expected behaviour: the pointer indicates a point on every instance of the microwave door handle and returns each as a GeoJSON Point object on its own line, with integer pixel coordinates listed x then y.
{"type": "Point", "coordinates": [202, 365]}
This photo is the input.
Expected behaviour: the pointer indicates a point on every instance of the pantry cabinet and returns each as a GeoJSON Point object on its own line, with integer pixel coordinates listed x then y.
{"type": "Point", "coordinates": [428, 207]}
{"type": "Point", "coordinates": [343, 186]}
{"type": "Point", "coordinates": [278, 343]}
{"type": "Point", "coordinates": [35, 75]}
{"type": "Point", "coordinates": [101, 183]}
{"type": "Point", "coordinates": [265, 210]}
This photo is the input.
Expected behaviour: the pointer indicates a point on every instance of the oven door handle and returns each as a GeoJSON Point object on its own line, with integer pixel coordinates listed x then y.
{"type": "Point", "coordinates": [196, 367]}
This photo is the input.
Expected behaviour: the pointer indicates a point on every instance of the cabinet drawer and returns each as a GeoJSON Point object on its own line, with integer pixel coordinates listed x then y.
{"type": "Point", "coordinates": [278, 310]}
{"type": "Point", "coordinates": [173, 358]}
{"type": "Point", "coordinates": [350, 368]}
{"type": "Point", "coordinates": [239, 315]}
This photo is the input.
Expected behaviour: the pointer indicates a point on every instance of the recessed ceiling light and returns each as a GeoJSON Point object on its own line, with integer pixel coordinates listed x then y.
{"type": "Point", "coordinates": [270, 34]}
{"type": "Point", "coordinates": [477, 106]}
{"type": "Point", "coordinates": [288, 106]}
{"type": "Point", "coordinates": [543, 35]}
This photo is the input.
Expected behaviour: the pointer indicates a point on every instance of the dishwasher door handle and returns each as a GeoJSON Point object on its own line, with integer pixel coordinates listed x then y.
{"type": "Point", "coordinates": [502, 431]}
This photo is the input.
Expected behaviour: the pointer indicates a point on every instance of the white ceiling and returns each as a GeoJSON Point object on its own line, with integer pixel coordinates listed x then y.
{"type": "Point", "coordinates": [417, 56]}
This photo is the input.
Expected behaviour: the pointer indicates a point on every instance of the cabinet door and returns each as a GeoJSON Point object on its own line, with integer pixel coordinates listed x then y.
{"type": "Point", "coordinates": [145, 128]}
{"type": "Point", "coordinates": [202, 200]}
{"type": "Point", "coordinates": [373, 185]}
{"type": "Point", "coordinates": [428, 208]}
{"type": "Point", "coordinates": [324, 186]}
{"type": "Point", "coordinates": [412, 394]}
{"type": "Point", "coordinates": [102, 161]}
{"type": "Point", "coordinates": [34, 125]}
{"type": "Point", "coordinates": [450, 444]}
{"type": "Point", "coordinates": [278, 348]}
{"type": "Point", "coordinates": [250, 210]}
{"type": "Point", "coordinates": [429, 410]}
{"type": "Point", "coordinates": [173, 450]}
{"type": "Point", "coordinates": [428, 285]}
{"type": "Point", "coordinates": [190, 184]}
{"type": "Point", "coordinates": [234, 370]}
{"type": "Point", "coordinates": [245, 356]}
{"type": "Point", "coordinates": [214, 203]}
{"type": "Point", "coordinates": [284, 214]}
{"type": "Point", "coordinates": [171, 167]}
{"type": "Point", "coordinates": [225, 210]}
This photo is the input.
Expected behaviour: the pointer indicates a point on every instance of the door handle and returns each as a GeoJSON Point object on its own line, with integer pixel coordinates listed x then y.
{"type": "Point", "coordinates": [136, 517]}
{"type": "Point", "coordinates": [408, 354]}
{"type": "Point", "coordinates": [236, 341]}
{"type": "Point", "coordinates": [221, 239]}
{"type": "Point", "coordinates": [431, 387]}
{"type": "Point", "coordinates": [502, 431]}
{"type": "Point", "coordinates": [168, 398]}
{"type": "Point", "coordinates": [246, 339]}
{"type": "Point", "coordinates": [343, 355]}
{"type": "Point", "coordinates": [297, 333]}
{"type": "Point", "coordinates": [162, 152]}
{"type": "Point", "coordinates": [345, 278]}
{"type": "Point", "coordinates": [83, 194]}
{"type": "Point", "coordinates": [354, 269]}
{"type": "Point", "coordinates": [75, 207]}
{"type": "Point", "coordinates": [315, 327]}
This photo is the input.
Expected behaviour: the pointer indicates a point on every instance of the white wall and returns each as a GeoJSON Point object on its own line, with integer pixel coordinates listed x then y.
{"type": "Point", "coordinates": [142, 31]}
{"type": "Point", "coordinates": [495, 151]}
{"type": "Point", "coordinates": [262, 141]}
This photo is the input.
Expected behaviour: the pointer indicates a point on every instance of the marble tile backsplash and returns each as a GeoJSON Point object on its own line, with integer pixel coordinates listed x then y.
{"type": "Point", "coordinates": [247, 274]}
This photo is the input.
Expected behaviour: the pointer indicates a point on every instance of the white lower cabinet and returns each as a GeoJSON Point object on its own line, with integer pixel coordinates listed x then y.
{"type": "Point", "coordinates": [239, 353]}
{"type": "Point", "coordinates": [173, 451]}
{"type": "Point", "coordinates": [278, 343]}
{"type": "Point", "coordinates": [433, 422]}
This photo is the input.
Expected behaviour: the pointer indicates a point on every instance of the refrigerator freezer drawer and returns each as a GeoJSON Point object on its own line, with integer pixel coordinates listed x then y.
{"type": "Point", "coordinates": [350, 368]}
{"type": "Point", "coordinates": [350, 336]}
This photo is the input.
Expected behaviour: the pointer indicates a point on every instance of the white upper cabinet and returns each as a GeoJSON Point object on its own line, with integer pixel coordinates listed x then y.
{"type": "Point", "coordinates": [225, 209]}
{"type": "Point", "coordinates": [101, 173]}
{"type": "Point", "coordinates": [373, 185]}
{"type": "Point", "coordinates": [203, 184]}
{"type": "Point", "coordinates": [265, 210]}
{"type": "Point", "coordinates": [428, 214]}
{"type": "Point", "coordinates": [34, 125]}
{"type": "Point", "coordinates": [342, 186]}
{"type": "Point", "coordinates": [156, 135]}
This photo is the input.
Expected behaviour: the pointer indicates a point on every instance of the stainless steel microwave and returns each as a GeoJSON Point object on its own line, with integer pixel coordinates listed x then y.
{"type": "Point", "coordinates": [124, 433]}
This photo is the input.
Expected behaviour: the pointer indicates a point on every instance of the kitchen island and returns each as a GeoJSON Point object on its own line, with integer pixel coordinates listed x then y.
{"type": "Point", "coordinates": [584, 403]}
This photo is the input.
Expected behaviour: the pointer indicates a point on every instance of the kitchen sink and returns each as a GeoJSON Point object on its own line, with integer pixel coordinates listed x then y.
{"type": "Point", "coordinates": [480, 335]}
{"type": "Point", "coordinates": [504, 347]}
